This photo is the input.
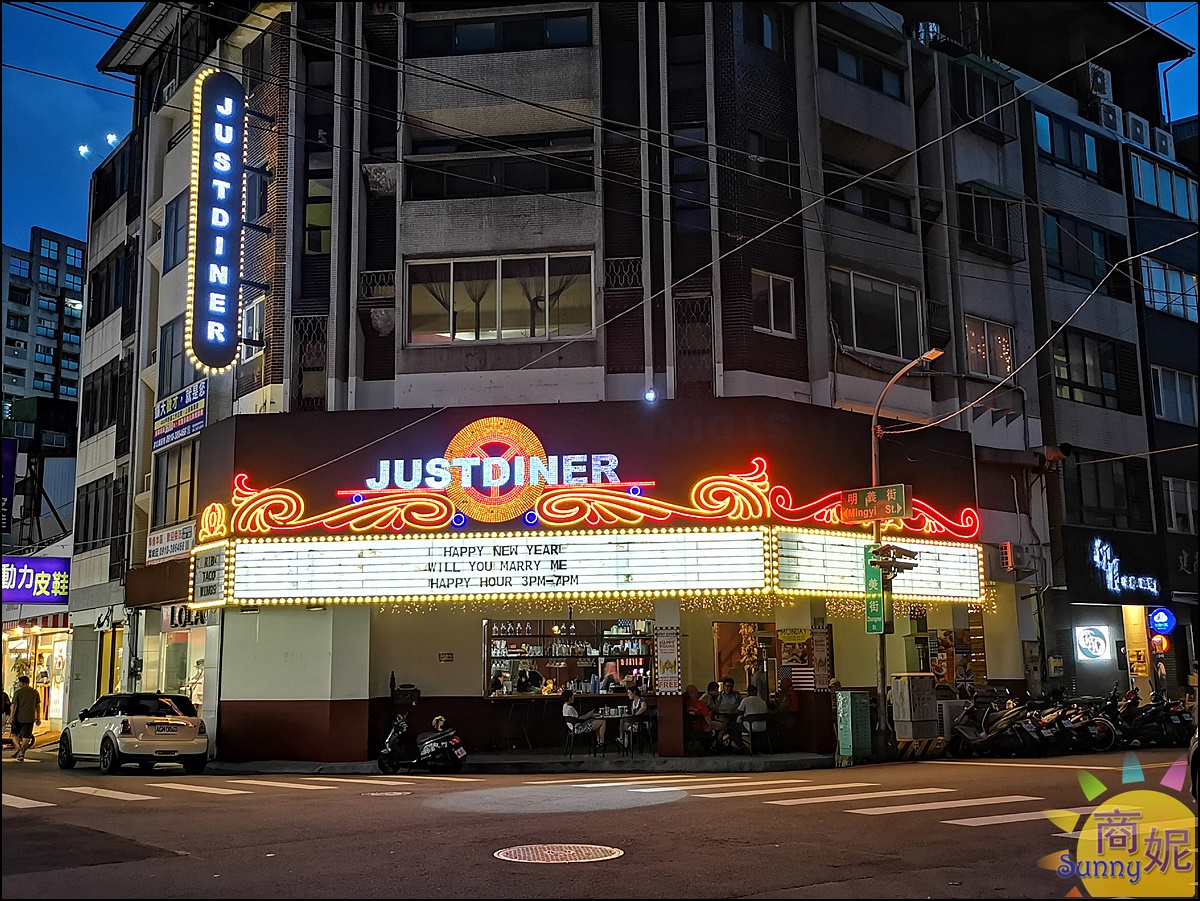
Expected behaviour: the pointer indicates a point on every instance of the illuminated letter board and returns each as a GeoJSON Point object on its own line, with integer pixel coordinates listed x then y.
{"type": "Point", "coordinates": [215, 226]}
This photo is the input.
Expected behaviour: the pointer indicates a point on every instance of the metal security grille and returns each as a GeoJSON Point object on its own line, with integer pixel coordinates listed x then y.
{"type": "Point", "coordinates": [309, 362]}
{"type": "Point", "coordinates": [693, 346]}
{"type": "Point", "coordinates": [558, 853]}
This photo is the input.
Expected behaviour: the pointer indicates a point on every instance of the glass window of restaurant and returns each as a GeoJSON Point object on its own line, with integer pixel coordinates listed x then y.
{"type": "Point", "coordinates": [173, 655]}
{"type": "Point", "coordinates": [585, 655]}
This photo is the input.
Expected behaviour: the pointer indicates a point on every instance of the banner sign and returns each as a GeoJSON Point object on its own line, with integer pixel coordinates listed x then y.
{"type": "Point", "coordinates": [171, 542]}
{"type": "Point", "coordinates": [667, 679]}
{"type": "Point", "coordinates": [36, 580]}
{"type": "Point", "coordinates": [181, 415]}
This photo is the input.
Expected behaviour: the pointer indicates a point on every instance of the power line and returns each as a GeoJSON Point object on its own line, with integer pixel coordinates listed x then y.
{"type": "Point", "coordinates": [1161, 450]}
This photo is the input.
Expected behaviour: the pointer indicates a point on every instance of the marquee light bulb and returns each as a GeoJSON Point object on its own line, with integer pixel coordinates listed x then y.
{"type": "Point", "coordinates": [651, 395]}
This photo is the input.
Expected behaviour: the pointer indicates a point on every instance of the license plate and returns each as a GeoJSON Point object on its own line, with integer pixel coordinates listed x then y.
{"type": "Point", "coordinates": [1047, 733]}
{"type": "Point", "coordinates": [166, 729]}
{"type": "Point", "coordinates": [460, 752]}
{"type": "Point", "coordinates": [1093, 730]}
{"type": "Point", "coordinates": [1175, 719]}
{"type": "Point", "coordinates": [1029, 726]}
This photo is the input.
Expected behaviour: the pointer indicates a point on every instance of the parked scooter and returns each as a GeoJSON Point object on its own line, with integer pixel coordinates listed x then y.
{"type": "Point", "coordinates": [440, 749]}
{"type": "Point", "coordinates": [984, 729]}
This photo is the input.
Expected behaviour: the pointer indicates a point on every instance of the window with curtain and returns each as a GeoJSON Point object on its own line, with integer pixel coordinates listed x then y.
{"type": "Point", "coordinates": [875, 315]}
{"type": "Point", "coordinates": [500, 299]}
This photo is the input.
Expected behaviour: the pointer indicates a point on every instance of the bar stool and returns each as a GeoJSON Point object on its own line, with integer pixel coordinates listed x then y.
{"type": "Point", "coordinates": [517, 724]}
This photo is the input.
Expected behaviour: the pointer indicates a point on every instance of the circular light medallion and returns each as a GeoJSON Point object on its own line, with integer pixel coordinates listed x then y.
{"type": "Point", "coordinates": [492, 441]}
{"type": "Point", "coordinates": [1162, 620]}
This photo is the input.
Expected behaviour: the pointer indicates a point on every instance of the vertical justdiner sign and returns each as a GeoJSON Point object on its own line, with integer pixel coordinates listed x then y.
{"type": "Point", "coordinates": [215, 226]}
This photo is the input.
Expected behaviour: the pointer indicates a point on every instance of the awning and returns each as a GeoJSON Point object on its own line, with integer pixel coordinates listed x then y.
{"type": "Point", "coordinates": [46, 621]}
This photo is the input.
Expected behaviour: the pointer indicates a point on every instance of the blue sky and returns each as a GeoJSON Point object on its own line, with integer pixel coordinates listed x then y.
{"type": "Point", "coordinates": [45, 181]}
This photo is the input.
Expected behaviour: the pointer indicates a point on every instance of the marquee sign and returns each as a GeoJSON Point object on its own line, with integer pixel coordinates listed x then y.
{"type": "Point", "coordinates": [830, 564]}
{"type": "Point", "coordinates": [496, 470]}
{"type": "Point", "coordinates": [212, 319]}
{"type": "Point", "coordinates": [502, 566]}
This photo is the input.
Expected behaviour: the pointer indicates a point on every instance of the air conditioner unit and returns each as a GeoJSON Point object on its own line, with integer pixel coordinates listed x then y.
{"type": "Point", "coordinates": [168, 90]}
{"type": "Point", "coordinates": [1137, 130]}
{"type": "Point", "coordinates": [1162, 142]}
{"type": "Point", "coordinates": [1099, 82]}
{"type": "Point", "coordinates": [1006, 556]}
{"type": "Point", "coordinates": [1111, 118]}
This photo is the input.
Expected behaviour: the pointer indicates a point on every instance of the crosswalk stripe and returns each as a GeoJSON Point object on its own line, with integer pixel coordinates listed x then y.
{"type": "Point", "coordinates": [299, 785]}
{"type": "Point", "coordinates": [14, 801]}
{"type": "Point", "coordinates": [336, 779]}
{"type": "Point", "coordinates": [108, 793]}
{"type": "Point", "coordinates": [942, 805]}
{"type": "Point", "coordinates": [998, 819]}
{"type": "Point", "coordinates": [784, 791]}
{"type": "Point", "coordinates": [204, 789]}
{"type": "Point", "coordinates": [859, 796]}
{"type": "Point", "coordinates": [691, 786]}
{"type": "Point", "coordinates": [578, 780]}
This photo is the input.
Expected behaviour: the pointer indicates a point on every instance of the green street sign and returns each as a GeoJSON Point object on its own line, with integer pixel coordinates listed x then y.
{"type": "Point", "coordinates": [873, 580]}
{"type": "Point", "coordinates": [880, 502]}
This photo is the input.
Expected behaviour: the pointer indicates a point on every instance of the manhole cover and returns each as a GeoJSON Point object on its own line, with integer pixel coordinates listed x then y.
{"type": "Point", "coordinates": [558, 853]}
{"type": "Point", "coordinates": [385, 794]}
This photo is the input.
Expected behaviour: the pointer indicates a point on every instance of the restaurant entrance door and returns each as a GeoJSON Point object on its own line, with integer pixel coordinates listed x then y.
{"type": "Point", "coordinates": [740, 647]}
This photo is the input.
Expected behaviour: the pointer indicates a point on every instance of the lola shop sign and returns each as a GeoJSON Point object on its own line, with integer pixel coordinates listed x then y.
{"type": "Point", "coordinates": [215, 229]}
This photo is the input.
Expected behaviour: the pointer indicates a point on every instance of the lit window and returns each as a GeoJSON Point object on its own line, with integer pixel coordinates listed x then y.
{"type": "Point", "coordinates": [989, 348]}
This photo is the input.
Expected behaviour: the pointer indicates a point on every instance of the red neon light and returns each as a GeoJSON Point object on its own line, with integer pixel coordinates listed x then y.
{"type": "Point", "coordinates": [735, 497]}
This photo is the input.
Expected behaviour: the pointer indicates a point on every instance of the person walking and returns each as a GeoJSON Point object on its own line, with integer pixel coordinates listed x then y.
{"type": "Point", "coordinates": [26, 713]}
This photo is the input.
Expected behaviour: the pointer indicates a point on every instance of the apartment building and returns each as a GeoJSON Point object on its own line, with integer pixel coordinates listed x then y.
{"type": "Point", "coordinates": [682, 234]}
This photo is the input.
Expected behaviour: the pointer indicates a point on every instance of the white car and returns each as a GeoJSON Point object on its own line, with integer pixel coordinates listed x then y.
{"type": "Point", "coordinates": [136, 727]}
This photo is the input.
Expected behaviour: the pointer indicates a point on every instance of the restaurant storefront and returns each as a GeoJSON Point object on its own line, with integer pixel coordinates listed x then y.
{"type": "Point", "coordinates": [1097, 627]}
{"type": "Point", "coordinates": [668, 545]}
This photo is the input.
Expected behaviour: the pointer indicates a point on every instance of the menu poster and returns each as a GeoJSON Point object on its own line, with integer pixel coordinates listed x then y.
{"type": "Point", "coordinates": [797, 647]}
{"type": "Point", "coordinates": [666, 660]}
{"type": "Point", "coordinates": [820, 658]}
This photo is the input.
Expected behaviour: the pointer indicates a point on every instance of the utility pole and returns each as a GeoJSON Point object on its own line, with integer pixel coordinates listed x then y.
{"type": "Point", "coordinates": [882, 728]}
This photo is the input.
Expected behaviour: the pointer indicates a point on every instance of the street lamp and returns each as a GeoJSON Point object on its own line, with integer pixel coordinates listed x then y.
{"type": "Point", "coordinates": [881, 722]}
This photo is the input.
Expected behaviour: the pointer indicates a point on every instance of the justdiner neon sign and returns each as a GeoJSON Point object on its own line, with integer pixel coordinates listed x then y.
{"type": "Point", "coordinates": [215, 224]}
{"type": "Point", "coordinates": [496, 470]}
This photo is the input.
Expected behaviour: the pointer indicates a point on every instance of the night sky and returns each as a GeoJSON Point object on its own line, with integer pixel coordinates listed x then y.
{"type": "Point", "coordinates": [45, 181]}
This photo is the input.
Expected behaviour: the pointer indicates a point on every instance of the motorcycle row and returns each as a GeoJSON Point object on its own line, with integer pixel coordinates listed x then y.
{"type": "Point", "coordinates": [993, 724]}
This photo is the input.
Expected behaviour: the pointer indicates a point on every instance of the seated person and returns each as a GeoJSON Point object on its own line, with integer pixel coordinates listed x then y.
{"type": "Point", "coordinates": [710, 697]}
{"type": "Point", "coordinates": [789, 698]}
{"type": "Point", "coordinates": [586, 723]}
{"type": "Point", "coordinates": [535, 680]}
{"type": "Point", "coordinates": [727, 708]}
{"type": "Point", "coordinates": [498, 683]}
{"type": "Point", "coordinates": [702, 724]}
{"type": "Point", "coordinates": [751, 705]}
{"type": "Point", "coordinates": [637, 708]}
